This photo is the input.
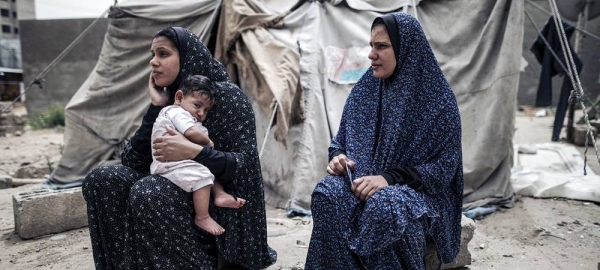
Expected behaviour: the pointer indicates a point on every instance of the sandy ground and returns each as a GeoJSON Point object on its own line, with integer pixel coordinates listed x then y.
{"type": "Point", "coordinates": [535, 234]}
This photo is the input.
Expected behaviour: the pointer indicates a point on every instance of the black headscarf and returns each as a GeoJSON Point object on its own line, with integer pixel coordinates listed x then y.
{"type": "Point", "coordinates": [194, 59]}
{"type": "Point", "coordinates": [392, 29]}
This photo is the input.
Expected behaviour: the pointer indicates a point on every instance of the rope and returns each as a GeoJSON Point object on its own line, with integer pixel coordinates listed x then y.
{"type": "Point", "coordinates": [549, 13]}
{"type": "Point", "coordinates": [262, 148]}
{"type": "Point", "coordinates": [578, 89]}
{"type": "Point", "coordinates": [39, 79]}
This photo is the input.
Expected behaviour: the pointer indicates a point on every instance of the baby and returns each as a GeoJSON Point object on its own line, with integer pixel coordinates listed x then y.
{"type": "Point", "coordinates": [192, 102]}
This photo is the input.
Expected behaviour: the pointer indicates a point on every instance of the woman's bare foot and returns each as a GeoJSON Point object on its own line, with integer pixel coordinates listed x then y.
{"type": "Point", "coordinates": [209, 225]}
{"type": "Point", "coordinates": [227, 201]}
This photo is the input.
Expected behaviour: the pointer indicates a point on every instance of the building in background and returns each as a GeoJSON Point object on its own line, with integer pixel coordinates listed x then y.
{"type": "Point", "coordinates": [11, 73]}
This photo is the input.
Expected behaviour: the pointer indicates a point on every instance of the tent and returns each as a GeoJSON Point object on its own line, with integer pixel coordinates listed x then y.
{"type": "Point", "coordinates": [304, 56]}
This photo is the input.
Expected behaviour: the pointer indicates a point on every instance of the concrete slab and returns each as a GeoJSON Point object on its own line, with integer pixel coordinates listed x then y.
{"type": "Point", "coordinates": [42, 212]}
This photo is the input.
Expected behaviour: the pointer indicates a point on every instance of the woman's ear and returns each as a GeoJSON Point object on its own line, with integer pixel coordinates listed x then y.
{"type": "Point", "coordinates": [178, 97]}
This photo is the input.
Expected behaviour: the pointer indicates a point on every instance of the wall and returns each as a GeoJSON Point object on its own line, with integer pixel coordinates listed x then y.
{"type": "Point", "coordinates": [42, 41]}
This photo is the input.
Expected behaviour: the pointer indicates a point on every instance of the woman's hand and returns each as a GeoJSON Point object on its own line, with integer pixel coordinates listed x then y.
{"type": "Point", "coordinates": [174, 147]}
{"type": "Point", "coordinates": [337, 165]}
{"type": "Point", "coordinates": [157, 96]}
{"type": "Point", "coordinates": [365, 187]}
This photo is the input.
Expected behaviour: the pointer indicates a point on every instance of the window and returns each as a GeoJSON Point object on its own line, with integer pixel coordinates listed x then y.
{"type": "Point", "coordinates": [6, 29]}
{"type": "Point", "coordinates": [4, 12]}
{"type": "Point", "coordinates": [16, 31]}
{"type": "Point", "coordinates": [14, 15]}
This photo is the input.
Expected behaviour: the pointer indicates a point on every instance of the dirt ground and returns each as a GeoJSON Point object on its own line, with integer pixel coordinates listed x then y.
{"type": "Point", "coordinates": [535, 234]}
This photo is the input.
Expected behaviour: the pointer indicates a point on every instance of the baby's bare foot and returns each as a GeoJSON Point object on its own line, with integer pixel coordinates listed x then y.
{"type": "Point", "coordinates": [228, 201]}
{"type": "Point", "coordinates": [209, 225]}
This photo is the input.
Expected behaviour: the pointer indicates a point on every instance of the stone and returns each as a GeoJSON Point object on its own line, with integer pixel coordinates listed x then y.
{"type": "Point", "coordinates": [5, 181]}
{"type": "Point", "coordinates": [42, 212]}
{"type": "Point", "coordinates": [31, 171]}
{"type": "Point", "coordinates": [464, 256]}
{"type": "Point", "coordinates": [579, 134]}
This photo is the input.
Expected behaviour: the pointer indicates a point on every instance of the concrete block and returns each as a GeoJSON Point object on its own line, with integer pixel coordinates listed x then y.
{"type": "Point", "coordinates": [464, 256]}
{"type": "Point", "coordinates": [579, 135]}
{"type": "Point", "coordinates": [42, 212]}
{"type": "Point", "coordinates": [5, 181]}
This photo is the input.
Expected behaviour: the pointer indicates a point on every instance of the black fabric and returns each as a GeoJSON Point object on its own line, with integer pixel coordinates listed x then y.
{"type": "Point", "coordinates": [220, 164]}
{"type": "Point", "coordinates": [552, 67]}
{"type": "Point", "coordinates": [182, 50]}
{"type": "Point", "coordinates": [563, 102]}
{"type": "Point", "coordinates": [392, 28]}
{"type": "Point", "coordinates": [140, 234]}
{"type": "Point", "coordinates": [336, 153]}
{"type": "Point", "coordinates": [141, 140]}
{"type": "Point", "coordinates": [404, 176]}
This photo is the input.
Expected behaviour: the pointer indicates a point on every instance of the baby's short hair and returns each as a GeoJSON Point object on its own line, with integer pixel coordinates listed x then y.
{"type": "Point", "coordinates": [198, 83]}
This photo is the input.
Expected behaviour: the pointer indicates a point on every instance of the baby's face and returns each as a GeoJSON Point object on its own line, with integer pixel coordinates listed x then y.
{"type": "Point", "coordinates": [197, 104]}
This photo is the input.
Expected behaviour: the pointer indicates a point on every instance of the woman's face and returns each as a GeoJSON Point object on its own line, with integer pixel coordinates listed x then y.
{"type": "Point", "coordinates": [382, 55]}
{"type": "Point", "coordinates": [164, 62]}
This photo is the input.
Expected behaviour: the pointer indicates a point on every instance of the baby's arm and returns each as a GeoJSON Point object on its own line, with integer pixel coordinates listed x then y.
{"type": "Point", "coordinates": [184, 123]}
{"type": "Point", "coordinates": [195, 135]}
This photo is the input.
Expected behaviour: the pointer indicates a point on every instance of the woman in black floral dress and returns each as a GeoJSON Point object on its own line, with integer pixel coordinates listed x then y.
{"type": "Point", "coordinates": [142, 221]}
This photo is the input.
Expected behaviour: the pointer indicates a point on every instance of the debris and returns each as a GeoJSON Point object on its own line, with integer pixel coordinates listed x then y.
{"type": "Point", "coordinates": [527, 149]}
{"type": "Point", "coordinates": [58, 237]}
{"type": "Point", "coordinates": [303, 222]}
{"type": "Point", "coordinates": [301, 244]}
{"type": "Point", "coordinates": [6, 181]}
{"type": "Point", "coordinates": [541, 113]}
{"type": "Point", "coordinates": [586, 203]}
{"type": "Point", "coordinates": [549, 234]}
{"type": "Point", "coordinates": [507, 256]}
{"type": "Point", "coordinates": [482, 246]}
{"type": "Point", "coordinates": [562, 223]}
{"type": "Point", "coordinates": [576, 222]}
{"type": "Point", "coordinates": [597, 223]}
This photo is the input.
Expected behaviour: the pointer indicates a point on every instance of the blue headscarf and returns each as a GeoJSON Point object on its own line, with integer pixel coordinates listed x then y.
{"type": "Point", "coordinates": [415, 115]}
